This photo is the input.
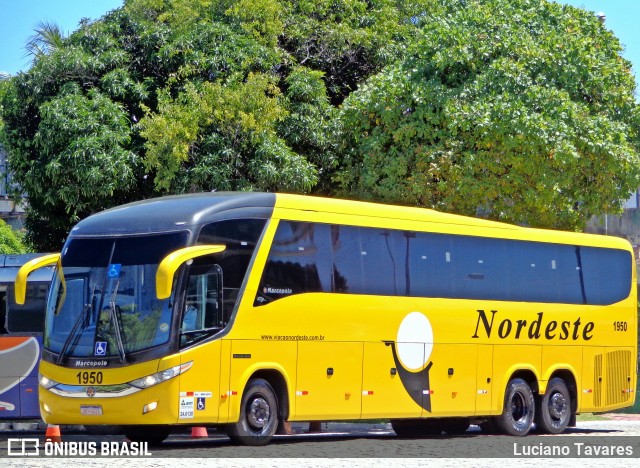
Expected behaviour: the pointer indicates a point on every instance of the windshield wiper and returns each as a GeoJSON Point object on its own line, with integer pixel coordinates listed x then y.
{"type": "Point", "coordinates": [114, 317]}
{"type": "Point", "coordinates": [73, 336]}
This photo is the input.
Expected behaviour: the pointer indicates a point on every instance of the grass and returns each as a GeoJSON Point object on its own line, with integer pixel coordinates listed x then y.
{"type": "Point", "coordinates": [590, 417]}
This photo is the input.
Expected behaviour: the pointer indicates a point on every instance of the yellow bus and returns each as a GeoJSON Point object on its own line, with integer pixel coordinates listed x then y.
{"type": "Point", "coordinates": [246, 310]}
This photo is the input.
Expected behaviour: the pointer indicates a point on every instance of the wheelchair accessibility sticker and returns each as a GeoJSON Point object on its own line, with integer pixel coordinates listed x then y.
{"type": "Point", "coordinates": [114, 270]}
{"type": "Point", "coordinates": [100, 349]}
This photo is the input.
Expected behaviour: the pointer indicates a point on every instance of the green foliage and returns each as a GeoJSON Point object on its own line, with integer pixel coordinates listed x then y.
{"type": "Point", "coordinates": [47, 38]}
{"type": "Point", "coordinates": [520, 111]}
{"type": "Point", "coordinates": [10, 241]}
{"type": "Point", "coordinates": [311, 127]}
{"type": "Point", "coordinates": [349, 40]}
{"type": "Point", "coordinates": [227, 133]}
{"type": "Point", "coordinates": [261, 19]}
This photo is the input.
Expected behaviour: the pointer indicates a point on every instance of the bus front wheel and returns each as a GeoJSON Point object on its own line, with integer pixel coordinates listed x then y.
{"type": "Point", "coordinates": [554, 408]}
{"type": "Point", "coordinates": [519, 409]}
{"type": "Point", "coordinates": [258, 415]}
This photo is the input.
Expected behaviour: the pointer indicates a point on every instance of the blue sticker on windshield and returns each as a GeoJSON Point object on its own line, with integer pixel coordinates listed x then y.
{"type": "Point", "coordinates": [100, 349]}
{"type": "Point", "coordinates": [114, 270]}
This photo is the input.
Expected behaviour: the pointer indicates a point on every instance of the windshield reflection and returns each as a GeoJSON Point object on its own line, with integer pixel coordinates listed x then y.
{"type": "Point", "coordinates": [103, 301]}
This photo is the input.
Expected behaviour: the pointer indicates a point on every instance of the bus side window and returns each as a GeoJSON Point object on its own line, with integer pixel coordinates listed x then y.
{"type": "Point", "coordinates": [430, 265]}
{"type": "Point", "coordinates": [348, 274]}
{"type": "Point", "coordinates": [383, 253]}
{"type": "Point", "coordinates": [29, 317]}
{"type": "Point", "coordinates": [298, 262]}
{"type": "Point", "coordinates": [3, 313]}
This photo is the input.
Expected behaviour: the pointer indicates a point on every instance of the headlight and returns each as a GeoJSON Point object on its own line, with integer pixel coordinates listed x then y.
{"type": "Point", "coordinates": [46, 382]}
{"type": "Point", "coordinates": [162, 376]}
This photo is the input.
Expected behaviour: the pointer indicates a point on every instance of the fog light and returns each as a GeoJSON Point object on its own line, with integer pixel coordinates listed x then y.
{"type": "Point", "coordinates": [150, 407]}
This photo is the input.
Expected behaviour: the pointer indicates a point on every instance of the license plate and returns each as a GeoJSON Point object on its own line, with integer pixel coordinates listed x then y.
{"type": "Point", "coordinates": [91, 410]}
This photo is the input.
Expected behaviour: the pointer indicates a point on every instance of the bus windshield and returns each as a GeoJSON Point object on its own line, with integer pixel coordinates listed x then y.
{"type": "Point", "coordinates": [103, 300]}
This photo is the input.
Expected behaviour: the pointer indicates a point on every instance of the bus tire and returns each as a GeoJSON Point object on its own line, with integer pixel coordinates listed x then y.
{"type": "Point", "coordinates": [153, 435]}
{"type": "Point", "coordinates": [553, 411]}
{"type": "Point", "coordinates": [258, 415]}
{"type": "Point", "coordinates": [519, 409]}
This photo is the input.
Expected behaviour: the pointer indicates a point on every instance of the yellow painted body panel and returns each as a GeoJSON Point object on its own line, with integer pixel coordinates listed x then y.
{"type": "Point", "coordinates": [388, 398]}
{"type": "Point", "coordinates": [484, 381]}
{"type": "Point", "coordinates": [329, 383]}
{"type": "Point", "coordinates": [252, 355]}
{"type": "Point", "coordinates": [200, 386]}
{"type": "Point", "coordinates": [453, 380]}
{"type": "Point", "coordinates": [117, 410]}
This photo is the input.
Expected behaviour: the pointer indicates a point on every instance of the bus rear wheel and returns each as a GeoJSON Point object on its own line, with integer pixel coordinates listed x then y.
{"type": "Point", "coordinates": [554, 408]}
{"type": "Point", "coordinates": [258, 415]}
{"type": "Point", "coordinates": [519, 409]}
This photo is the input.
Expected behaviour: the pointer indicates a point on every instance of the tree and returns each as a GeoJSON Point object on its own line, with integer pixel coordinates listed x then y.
{"type": "Point", "coordinates": [10, 242]}
{"type": "Point", "coordinates": [349, 40]}
{"type": "Point", "coordinates": [226, 134]}
{"type": "Point", "coordinates": [46, 38]}
{"type": "Point", "coordinates": [521, 111]}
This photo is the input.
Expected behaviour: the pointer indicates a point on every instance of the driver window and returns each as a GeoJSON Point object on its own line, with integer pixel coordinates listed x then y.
{"type": "Point", "coordinates": [203, 302]}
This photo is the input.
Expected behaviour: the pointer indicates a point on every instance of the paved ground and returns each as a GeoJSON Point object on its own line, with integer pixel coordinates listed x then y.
{"type": "Point", "coordinates": [355, 446]}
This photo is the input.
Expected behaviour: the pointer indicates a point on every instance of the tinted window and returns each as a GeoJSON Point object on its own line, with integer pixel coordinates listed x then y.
{"type": "Point", "coordinates": [240, 236]}
{"type": "Point", "coordinates": [28, 317]}
{"type": "Point", "coordinates": [347, 260]}
{"type": "Point", "coordinates": [607, 274]}
{"type": "Point", "coordinates": [431, 271]}
{"type": "Point", "coordinates": [533, 271]}
{"type": "Point", "coordinates": [133, 250]}
{"type": "Point", "coordinates": [569, 275]}
{"type": "Point", "coordinates": [479, 265]}
{"type": "Point", "coordinates": [299, 261]}
{"type": "Point", "coordinates": [383, 261]}
{"type": "Point", "coordinates": [358, 260]}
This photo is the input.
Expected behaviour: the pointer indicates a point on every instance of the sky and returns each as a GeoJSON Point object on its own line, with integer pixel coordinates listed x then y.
{"type": "Point", "coordinates": [19, 18]}
{"type": "Point", "coordinates": [622, 19]}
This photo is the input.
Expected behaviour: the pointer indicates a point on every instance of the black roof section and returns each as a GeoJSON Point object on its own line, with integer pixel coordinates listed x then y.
{"type": "Point", "coordinates": [176, 212]}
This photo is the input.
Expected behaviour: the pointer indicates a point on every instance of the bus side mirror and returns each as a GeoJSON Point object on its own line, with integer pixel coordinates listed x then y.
{"type": "Point", "coordinates": [26, 269]}
{"type": "Point", "coordinates": [170, 264]}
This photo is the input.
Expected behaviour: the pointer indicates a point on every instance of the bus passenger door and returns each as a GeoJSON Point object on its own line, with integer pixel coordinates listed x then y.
{"type": "Point", "coordinates": [329, 384]}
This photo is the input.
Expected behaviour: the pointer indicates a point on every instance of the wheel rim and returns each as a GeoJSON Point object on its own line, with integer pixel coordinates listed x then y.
{"type": "Point", "coordinates": [258, 413]}
{"type": "Point", "coordinates": [558, 407]}
{"type": "Point", "coordinates": [519, 409]}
